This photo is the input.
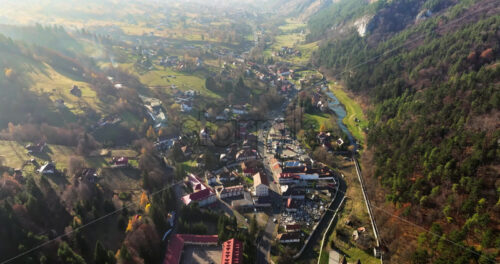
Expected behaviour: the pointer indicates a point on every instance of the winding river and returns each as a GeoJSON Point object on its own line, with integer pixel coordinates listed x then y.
{"type": "Point", "coordinates": [335, 105]}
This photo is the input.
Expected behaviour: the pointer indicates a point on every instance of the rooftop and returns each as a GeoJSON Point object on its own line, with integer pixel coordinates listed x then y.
{"type": "Point", "coordinates": [177, 242]}
{"type": "Point", "coordinates": [232, 252]}
{"type": "Point", "coordinates": [260, 178]}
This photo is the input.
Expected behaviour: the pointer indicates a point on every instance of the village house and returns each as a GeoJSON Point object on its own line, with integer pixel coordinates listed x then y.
{"type": "Point", "coordinates": [292, 228]}
{"type": "Point", "coordinates": [210, 178]}
{"type": "Point", "coordinates": [76, 91]}
{"type": "Point", "coordinates": [287, 178]}
{"type": "Point", "coordinates": [242, 204]}
{"type": "Point", "coordinates": [288, 191]}
{"type": "Point", "coordinates": [275, 167]}
{"type": "Point", "coordinates": [47, 168]}
{"type": "Point", "coordinates": [88, 174]}
{"type": "Point", "coordinates": [37, 148]}
{"type": "Point", "coordinates": [250, 167]}
{"type": "Point", "coordinates": [163, 144]}
{"type": "Point", "coordinates": [223, 157]}
{"type": "Point", "coordinates": [186, 107]}
{"type": "Point", "coordinates": [226, 175]}
{"type": "Point", "coordinates": [294, 167]}
{"type": "Point", "coordinates": [287, 238]}
{"type": "Point", "coordinates": [205, 138]}
{"type": "Point", "coordinates": [186, 151]}
{"type": "Point", "coordinates": [60, 103]}
{"type": "Point", "coordinates": [239, 110]}
{"type": "Point", "coordinates": [119, 162]}
{"type": "Point", "coordinates": [246, 154]}
{"type": "Point", "coordinates": [232, 191]}
{"type": "Point", "coordinates": [260, 184]}
{"type": "Point", "coordinates": [292, 205]}
{"type": "Point", "coordinates": [202, 193]}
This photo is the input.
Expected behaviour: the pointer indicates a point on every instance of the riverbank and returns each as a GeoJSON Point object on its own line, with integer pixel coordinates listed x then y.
{"type": "Point", "coordinates": [355, 120]}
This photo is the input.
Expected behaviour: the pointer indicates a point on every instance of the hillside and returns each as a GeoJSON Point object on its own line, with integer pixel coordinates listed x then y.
{"type": "Point", "coordinates": [432, 158]}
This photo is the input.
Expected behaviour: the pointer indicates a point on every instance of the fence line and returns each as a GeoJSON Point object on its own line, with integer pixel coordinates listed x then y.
{"type": "Point", "coordinates": [328, 228]}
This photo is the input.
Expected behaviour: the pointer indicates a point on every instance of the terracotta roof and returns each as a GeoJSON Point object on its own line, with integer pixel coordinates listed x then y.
{"type": "Point", "coordinates": [289, 175]}
{"type": "Point", "coordinates": [197, 196]}
{"type": "Point", "coordinates": [236, 188]}
{"type": "Point", "coordinates": [177, 242]}
{"type": "Point", "coordinates": [232, 252]}
{"type": "Point", "coordinates": [120, 160]}
{"type": "Point", "coordinates": [292, 227]}
{"type": "Point", "coordinates": [260, 178]}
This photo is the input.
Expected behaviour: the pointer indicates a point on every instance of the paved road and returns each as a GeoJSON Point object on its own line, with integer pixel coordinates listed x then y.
{"type": "Point", "coordinates": [227, 208]}
{"type": "Point", "coordinates": [264, 244]}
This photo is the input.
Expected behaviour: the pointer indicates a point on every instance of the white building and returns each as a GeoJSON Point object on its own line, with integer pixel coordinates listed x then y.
{"type": "Point", "coordinates": [231, 191]}
{"type": "Point", "coordinates": [260, 184]}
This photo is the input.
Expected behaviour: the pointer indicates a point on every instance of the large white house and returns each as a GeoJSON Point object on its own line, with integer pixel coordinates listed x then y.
{"type": "Point", "coordinates": [231, 191]}
{"type": "Point", "coordinates": [260, 184]}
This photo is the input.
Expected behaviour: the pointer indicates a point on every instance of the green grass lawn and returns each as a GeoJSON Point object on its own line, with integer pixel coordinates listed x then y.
{"type": "Point", "coordinates": [59, 85]}
{"type": "Point", "coordinates": [292, 25]}
{"type": "Point", "coordinates": [159, 77]}
{"type": "Point", "coordinates": [14, 155]}
{"type": "Point", "coordinates": [189, 166]}
{"type": "Point", "coordinates": [291, 37]}
{"type": "Point", "coordinates": [307, 50]}
{"type": "Point", "coordinates": [354, 111]}
{"type": "Point", "coordinates": [317, 120]}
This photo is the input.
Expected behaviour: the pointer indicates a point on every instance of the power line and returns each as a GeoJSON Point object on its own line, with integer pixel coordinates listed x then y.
{"type": "Point", "coordinates": [421, 227]}
{"type": "Point", "coordinates": [118, 210]}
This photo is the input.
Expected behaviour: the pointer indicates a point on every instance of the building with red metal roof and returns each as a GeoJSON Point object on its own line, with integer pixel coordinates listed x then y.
{"type": "Point", "coordinates": [202, 193]}
{"type": "Point", "coordinates": [232, 252]}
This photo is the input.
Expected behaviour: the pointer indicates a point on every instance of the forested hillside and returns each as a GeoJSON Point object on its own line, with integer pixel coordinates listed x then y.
{"type": "Point", "coordinates": [433, 140]}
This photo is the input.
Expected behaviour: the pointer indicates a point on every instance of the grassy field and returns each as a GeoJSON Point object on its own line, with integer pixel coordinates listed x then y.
{"type": "Point", "coordinates": [58, 86]}
{"type": "Point", "coordinates": [317, 120]}
{"type": "Point", "coordinates": [13, 155]}
{"type": "Point", "coordinates": [307, 50]}
{"type": "Point", "coordinates": [354, 111]}
{"type": "Point", "coordinates": [293, 35]}
{"type": "Point", "coordinates": [189, 166]}
{"type": "Point", "coordinates": [159, 78]}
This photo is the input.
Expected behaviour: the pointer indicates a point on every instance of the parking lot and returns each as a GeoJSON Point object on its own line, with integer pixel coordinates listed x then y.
{"type": "Point", "coordinates": [307, 214]}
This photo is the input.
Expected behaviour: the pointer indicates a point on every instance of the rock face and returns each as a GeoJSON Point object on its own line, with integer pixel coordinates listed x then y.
{"type": "Point", "coordinates": [424, 14]}
{"type": "Point", "coordinates": [361, 24]}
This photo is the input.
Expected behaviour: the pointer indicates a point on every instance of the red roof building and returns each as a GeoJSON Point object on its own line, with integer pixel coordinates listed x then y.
{"type": "Point", "coordinates": [292, 228]}
{"type": "Point", "coordinates": [178, 241]}
{"type": "Point", "coordinates": [286, 178]}
{"type": "Point", "coordinates": [120, 162]}
{"type": "Point", "coordinates": [232, 252]}
{"type": "Point", "coordinates": [202, 193]}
